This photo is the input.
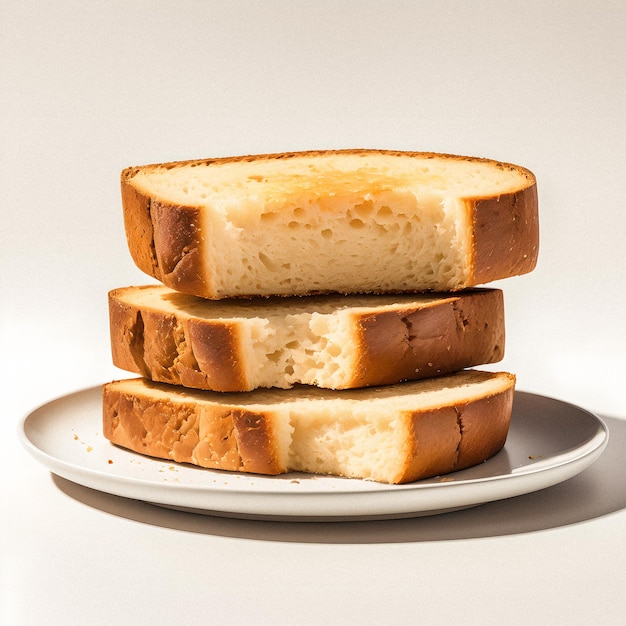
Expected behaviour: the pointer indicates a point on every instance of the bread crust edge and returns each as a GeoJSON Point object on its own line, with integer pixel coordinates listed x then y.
{"type": "Point", "coordinates": [466, 329]}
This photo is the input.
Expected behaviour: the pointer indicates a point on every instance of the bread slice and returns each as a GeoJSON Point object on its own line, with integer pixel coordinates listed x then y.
{"type": "Point", "coordinates": [347, 221]}
{"type": "Point", "coordinates": [332, 341]}
{"type": "Point", "coordinates": [392, 434]}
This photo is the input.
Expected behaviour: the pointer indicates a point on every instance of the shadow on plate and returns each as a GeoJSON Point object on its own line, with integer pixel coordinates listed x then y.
{"type": "Point", "coordinates": [600, 490]}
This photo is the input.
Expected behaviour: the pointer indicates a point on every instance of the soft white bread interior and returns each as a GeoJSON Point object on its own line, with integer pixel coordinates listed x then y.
{"type": "Point", "coordinates": [392, 434]}
{"type": "Point", "coordinates": [330, 341]}
{"type": "Point", "coordinates": [348, 221]}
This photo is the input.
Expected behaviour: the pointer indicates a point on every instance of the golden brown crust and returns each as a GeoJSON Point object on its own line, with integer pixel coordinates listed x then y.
{"type": "Point", "coordinates": [177, 241]}
{"type": "Point", "coordinates": [197, 353]}
{"type": "Point", "coordinates": [457, 437]}
{"type": "Point", "coordinates": [214, 437]}
{"type": "Point", "coordinates": [481, 438]}
{"type": "Point", "coordinates": [129, 172]}
{"type": "Point", "coordinates": [139, 229]}
{"type": "Point", "coordinates": [506, 235]}
{"type": "Point", "coordinates": [170, 431]}
{"type": "Point", "coordinates": [256, 441]}
{"type": "Point", "coordinates": [412, 342]}
{"type": "Point", "coordinates": [165, 241]}
{"type": "Point", "coordinates": [215, 358]}
{"type": "Point", "coordinates": [132, 352]}
{"type": "Point", "coordinates": [436, 437]}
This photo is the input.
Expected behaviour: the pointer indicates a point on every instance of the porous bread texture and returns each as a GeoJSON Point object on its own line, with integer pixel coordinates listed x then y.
{"type": "Point", "coordinates": [332, 341]}
{"type": "Point", "coordinates": [392, 434]}
{"type": "Point", "coordinates": [351, 221]}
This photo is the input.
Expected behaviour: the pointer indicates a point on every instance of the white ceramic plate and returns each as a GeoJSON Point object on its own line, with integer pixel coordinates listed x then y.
{"type": "Point", "coordinates": [549, 442]}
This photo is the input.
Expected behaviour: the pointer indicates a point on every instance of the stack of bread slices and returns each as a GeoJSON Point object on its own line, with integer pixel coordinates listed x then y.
{"type": "Point", "coordinates": [319, 312]}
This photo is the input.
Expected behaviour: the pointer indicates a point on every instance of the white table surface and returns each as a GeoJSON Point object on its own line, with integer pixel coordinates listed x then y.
{"type": "Point", "coordinates": [89, 88]}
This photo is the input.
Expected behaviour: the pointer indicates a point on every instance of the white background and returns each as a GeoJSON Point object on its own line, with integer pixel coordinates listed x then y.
{"type": "Point", "coordinates": [88, 88]}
